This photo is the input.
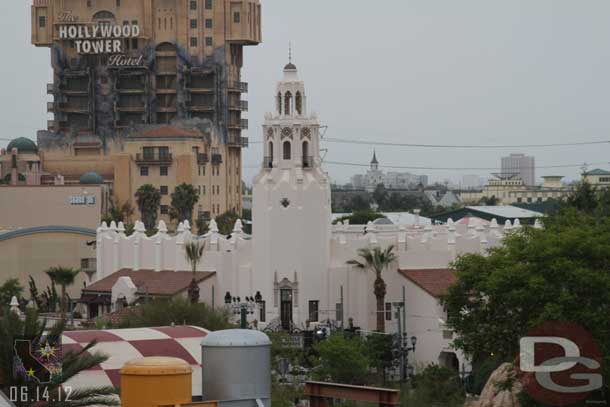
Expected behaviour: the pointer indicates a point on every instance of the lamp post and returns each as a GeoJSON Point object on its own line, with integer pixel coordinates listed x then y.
{"type": "Point", "coordinates": [243, 308]}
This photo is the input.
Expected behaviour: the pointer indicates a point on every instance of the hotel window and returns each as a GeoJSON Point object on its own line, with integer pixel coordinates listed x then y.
{"type": "Point", "coordinates": [164, 152]}
{"type": "Point", "coordinates": [163, 189]}
{"type": "Point", "coordinates": [193, 23]}
{"type": "Point", "coordinates": [208, 4]}
{"type": "Point", "coordinates": [88, 3]}
{"type": "Point", "coordinates": [208, 41]}
{"type": "Point", "coordinates": [388, 311]}
{"type": "Point", "coordinates": [42, 21]}
{"type": "Point", "coordinates": [237, 17]}
{"type": "Point", "coordinates": [208, 23]}
{"type": "Point", "coordinates": [164, 209]}
{"type": "Point", "coordinates": [148, 152]}
{"type": "Point", "coordinates": [313, 311]}
{"type": "Point", "coordinates": [262, 310]}
{"type": "Point", "coordinates": [163, 171]}
{"type": "Point", "coordinates": [193, 41]}
{"type": "Point", "coordinates": [134, 43]}
{"type": "Point", "coordinates": [203, 189]}
{"type": "Point", "coordinates": [144, 171]}
{"type": "Point", "coordinates": [118, 3]}
{"type": "Point", "coordinates": [193, 5]}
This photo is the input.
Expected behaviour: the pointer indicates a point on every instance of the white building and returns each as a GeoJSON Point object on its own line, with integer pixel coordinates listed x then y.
{"type": "Point", "coordinates": [296, 261]}
{"type": "Point", "coordinates": [391, 180]}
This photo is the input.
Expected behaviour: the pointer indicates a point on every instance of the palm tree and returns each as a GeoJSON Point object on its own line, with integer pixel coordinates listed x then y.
{"type": "Point", "coordinates": [184, 199]}
{"type": "Point", "coordinates": [64, 277]}
{"type": "Point", "coordinates": [376, 260]}
{"type": "Point", "coordinates": [72, 363]}
{"type": "Point", "coordinates": [148, 198]}
{"type": "Point", "coordinates": [194, 254]}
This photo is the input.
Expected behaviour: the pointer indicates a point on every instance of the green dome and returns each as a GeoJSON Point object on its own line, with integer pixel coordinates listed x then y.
{"type": "Point", "coordinates": [23, 145]}
{"type": "Point", "coordinates": [91, 178]}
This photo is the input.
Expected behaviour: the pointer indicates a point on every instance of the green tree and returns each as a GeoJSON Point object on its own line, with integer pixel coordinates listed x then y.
{"type": "Point", "coordinates": [226, 222]}
{"type": "Point", "coordinates": [360, 217]}
{"type": "Point", "coordinates": [148, 198]}
{"type": "Point", "coordinates": [163, 312]}
{"type": "Point", "coordinates": [342, 359]}
{"type": "Point", "coordinates": [380, 195]}
{"type": "Point", "coordinates": [184, 199]}
{"type": "Point", "coordinates": [584, 197]}
{"type": "Point", "coordinates": [359, 202]}
{"type": "Point", "coordinates": [11, 288]}
{"type": "Point", "coordinates": [435, 386]}
{"type": "Point", "coordinates": [382, 353]}
{"type": "Point", "coordinates": [559, 272]}
{"type": "Point", "coordinates": [63, 277]}
{"type": "Point", "coordinates": [376, 260]}
{"type": "Point", "coordinates": [73, 362]}
{"type": "Point", "coordinates": [118, 212]}
{"type": "Point", "coordinates": [194, 254]}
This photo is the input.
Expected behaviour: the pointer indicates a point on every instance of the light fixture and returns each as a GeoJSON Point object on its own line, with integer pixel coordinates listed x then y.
{"type": "Point", "coordinates": [413, 342]}
{"type": "Point", "coordinates": [228, 298]}
{"type": "Point", "coordinates": [258, 297]}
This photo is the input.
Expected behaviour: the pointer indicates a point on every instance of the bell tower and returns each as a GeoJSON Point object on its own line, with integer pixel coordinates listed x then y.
{"type": "Point", "coordinates": [291, 210]}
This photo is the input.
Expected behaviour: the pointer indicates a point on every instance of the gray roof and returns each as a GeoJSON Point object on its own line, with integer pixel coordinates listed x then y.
{"type": "Point", "coordinates": [506, 211]}
{"type": "Point", "coordinates": [597, 171]}
{"type": "Point", "coordinates": [236, 338]}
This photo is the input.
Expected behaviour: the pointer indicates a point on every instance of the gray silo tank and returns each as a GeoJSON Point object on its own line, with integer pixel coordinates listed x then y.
{"type": "Point", "coordinates": [236, 368]}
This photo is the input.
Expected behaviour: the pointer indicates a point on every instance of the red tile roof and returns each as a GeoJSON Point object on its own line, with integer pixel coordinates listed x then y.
{"type": "Point", "coordinates": [167, 131]}
{"type": "Point", "coordinates": [433, 281]}
{"type": "Point", "coordinates": [151, 282]}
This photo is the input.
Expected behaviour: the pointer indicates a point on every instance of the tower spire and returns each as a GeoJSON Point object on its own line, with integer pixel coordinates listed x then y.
{"type": "Point", "coordinates": [289, 52]}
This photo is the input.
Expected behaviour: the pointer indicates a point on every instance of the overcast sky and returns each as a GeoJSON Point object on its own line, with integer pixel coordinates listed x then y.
{"type": "Point", "coordinates": [425, 71]}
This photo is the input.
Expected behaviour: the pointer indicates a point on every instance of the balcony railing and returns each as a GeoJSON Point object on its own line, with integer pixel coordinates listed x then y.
{"type": "Point", "coordinates": [244, 142]}
{"type": "Point", "coordinates": [50, 106]}
{"type": "Point", "coordinates": [239, 86]}
{"type": "Point", "coordinates": [243, 104]}
{"type": "Point", "coordinates": [202, 158]}
{"type": "Point", "coordinates": [308, 162]}
{"type": "Point", "coordinates": [268, 162]}
{"type": "Point", "coordinates": [50, 88]}
{"type": "Point", "coordinates": [156, 158]}
{"type": "Point", "coordinates": [243, 123]}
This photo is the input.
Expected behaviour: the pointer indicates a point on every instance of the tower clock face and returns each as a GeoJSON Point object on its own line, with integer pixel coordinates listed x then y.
{"type": "Point", "coordinates": [287, 131]}
{"type": "Point", "coordinates": [306, 132]}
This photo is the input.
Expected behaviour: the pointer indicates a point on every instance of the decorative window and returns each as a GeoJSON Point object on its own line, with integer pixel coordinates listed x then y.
{"type": "Point", "coordinates": [193, 23]}
{"type": "Point", "coordinates": [163, 190]}
{"type": "Point", "coordinates": [163, 170]}
{"type": "Point", "coordinates": [209, 41]}
{"type": "Point", "coordinates": [286, 149]}
{"type": "Point", "coordinates": [285, 202]}
{"type": "Point", "coordinates": [388, 311]}
{"type": "Point", "coordinates": [118, 3]}
{"type": "Point", "coordinates": [236, 17]}
{"type": "Point", "coordinates": [144, 171]}
{"type": "Point", "coordinates": [208, 4]}
{"type": "Point", "coordinates": [279, 103]}
{"type": "Point", "coordinates": [313, 311]}
{"type": "Point", "coordinates": [287, 102]}
{"type": "Point", "coordinates": [299, 102]}
{"type": "Point", "coordinates": [193, 4]}
{"type": "Point", "coordinates": [164, 209]}
{"type": "Point", "coordinates": [193, 41]}
{"type": "Point", "coordinates": [42, 21]}
{"type": "Point", "coordinates": [209, 23]}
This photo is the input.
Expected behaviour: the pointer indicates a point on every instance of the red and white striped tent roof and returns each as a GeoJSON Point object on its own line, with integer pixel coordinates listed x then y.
{"type": "Point", "coordinates": [122, 345]}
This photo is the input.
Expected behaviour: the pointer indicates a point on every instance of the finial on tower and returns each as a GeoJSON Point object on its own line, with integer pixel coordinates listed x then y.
{"type": "Point", "coordinates": [290, 66]}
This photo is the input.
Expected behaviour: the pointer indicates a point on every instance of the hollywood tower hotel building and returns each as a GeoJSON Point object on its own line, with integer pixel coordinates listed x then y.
{"type": "Point", "coordinates": [148, 92]}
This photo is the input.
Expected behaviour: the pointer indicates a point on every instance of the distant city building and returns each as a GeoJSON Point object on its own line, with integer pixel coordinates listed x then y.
{"type": "Point", "coordinates": [392, 180]}
{"type": "Point", "coordinates": [521, 165]}
{"type": "Point", "coordinates": [597, 178]}
{"type": "Point", "coordinates": [509, 189]}
{"type": "Point", "coordinates": [472, 181]}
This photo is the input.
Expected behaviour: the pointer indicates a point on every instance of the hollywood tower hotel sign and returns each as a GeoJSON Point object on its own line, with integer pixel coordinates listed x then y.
{"type": "Point", "coordinates": [99, 38]}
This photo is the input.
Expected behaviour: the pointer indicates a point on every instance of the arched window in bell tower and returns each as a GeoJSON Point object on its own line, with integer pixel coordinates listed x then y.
{"type": "Point", "coordinates": [269, 160]}
{"type": "Point", "coordinates": [299, 103]}
{"type": "Point", "coordinates": [279, 103]}
{"type": "Point", "coordinates": [306, 158]}
{"type": "Point", "coordinates": [286, 149]}
{"type": "Point", "coordinates": [287, 102]}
